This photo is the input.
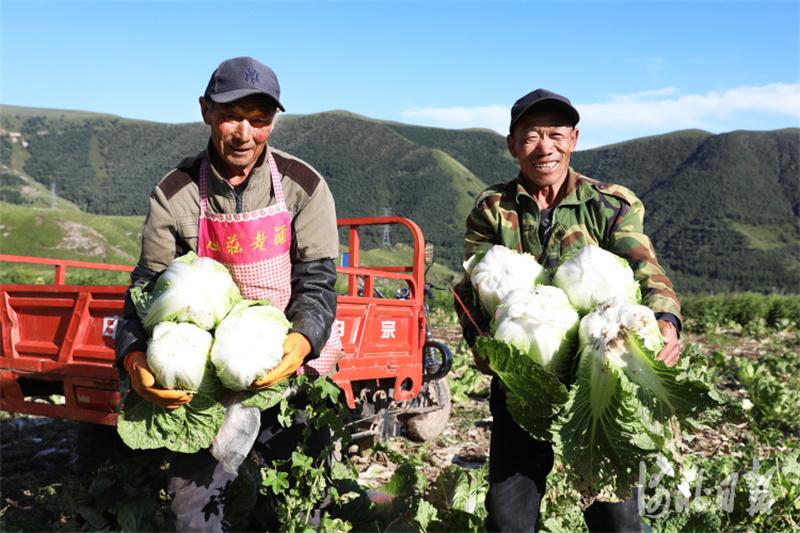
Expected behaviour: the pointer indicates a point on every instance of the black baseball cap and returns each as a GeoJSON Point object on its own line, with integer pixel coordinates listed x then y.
{"type": "Point", "coordinates": [542, 98]}
{"type": "Point", "coordinates": [242, 76]}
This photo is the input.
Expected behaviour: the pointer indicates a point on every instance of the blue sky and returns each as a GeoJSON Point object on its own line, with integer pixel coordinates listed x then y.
{"type": "Point", "coordinates": [631, 68]}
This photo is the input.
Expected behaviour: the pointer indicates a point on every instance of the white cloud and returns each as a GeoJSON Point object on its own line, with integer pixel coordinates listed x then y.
{"type": "Point", "coordinates": [669, 111]}
{"type": "Point", "coordinates": [494, 117]}
{"type": "Point", "coordinates": [645, 113]}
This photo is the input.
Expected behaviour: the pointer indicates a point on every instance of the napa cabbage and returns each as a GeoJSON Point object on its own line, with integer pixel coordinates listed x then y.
{"type": "Point", "coordinates": [622, 398]}
{"type": "Point", "coordinates": [595, 276]}
{"type": "Point", "coordinates": [498, 271]}
{"type": "Point", "coordinates": [245, 341]}
{"type": "Point", "coordinates": [534, 396]}
{"type": "Point", "coordinates": [623, 403]}
{"type": "Point", "coordinates": [193, 289]}
{"type": "Point", "coordinates": [248, 343]}
{"type": "Point", "coordinates": [143, 425]}
{"type": "Point", "coordinates": [177, 353]}
{"type": "Point", "coordinates": [543, 324]}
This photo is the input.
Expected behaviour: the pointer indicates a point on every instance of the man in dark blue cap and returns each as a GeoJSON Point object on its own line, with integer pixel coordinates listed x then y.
{"type": "Point", "coordinates": [280, 214]}
{"type": "Point", "coordinates": [551, 211]}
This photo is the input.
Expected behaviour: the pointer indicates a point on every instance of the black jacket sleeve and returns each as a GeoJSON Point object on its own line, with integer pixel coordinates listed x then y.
{"type": "Point", "coordinates": [466, 298]}
{"type": "Point", "coordinates": [312, 306]}
{"type": "Point", "coordinates": [130, 335]}
{"type": "Point", "coordinates": [669, 317]}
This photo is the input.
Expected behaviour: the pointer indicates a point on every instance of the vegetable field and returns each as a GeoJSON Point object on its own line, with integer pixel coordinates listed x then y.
{"type": "Point", "coordinates": [739, 464]}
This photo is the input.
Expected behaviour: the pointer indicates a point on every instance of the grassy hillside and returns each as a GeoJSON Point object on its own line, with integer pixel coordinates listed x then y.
{"type": "Point", "coordinates": [20, 189]}
{"type": "Point", "coordinates": [19, 118]}
{"type": "Point", "coordinates": [109, 165]}
{"type": "Point", "coordinates": [66, 234]}
{"type": "Point", "coordinates": [723, 210]}
{"type": "Point", "coordinates": [484, 152]}
{"type": "Point", "coordinates": [436, 274]}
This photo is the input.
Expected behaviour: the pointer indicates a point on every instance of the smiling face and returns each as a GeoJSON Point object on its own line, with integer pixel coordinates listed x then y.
{"type": "Point", "coordinates": [240, 131]}
{"type": "Point", "coordinates": [542, 143]}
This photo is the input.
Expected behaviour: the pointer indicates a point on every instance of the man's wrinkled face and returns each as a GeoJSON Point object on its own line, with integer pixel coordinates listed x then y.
{"type": "Point", "coordinates": [542, 143]}
{"type": "Point", "coordinates": [239, 130]}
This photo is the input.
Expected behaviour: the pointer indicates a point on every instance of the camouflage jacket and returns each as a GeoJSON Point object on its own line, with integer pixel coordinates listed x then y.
{"type": "Point", "coordinates": [591, 212]}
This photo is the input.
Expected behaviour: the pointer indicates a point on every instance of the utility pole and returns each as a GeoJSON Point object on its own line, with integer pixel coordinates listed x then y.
{"type": "Point", "coordinates": [52, 195]}
{"type": "Point", "coordinates": [387, 229]}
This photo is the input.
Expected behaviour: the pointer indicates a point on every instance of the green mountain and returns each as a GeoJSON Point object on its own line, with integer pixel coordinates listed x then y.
{"type": "Point", "coordinates": [371, 166]}
{"type": "Point", "coordinates": [723, 210]}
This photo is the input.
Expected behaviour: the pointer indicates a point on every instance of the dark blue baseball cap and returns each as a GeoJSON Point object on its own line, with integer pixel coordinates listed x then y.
{"type": "Point", "coordinates": [542, 98]}
{"type": "Point", "coordinates": [242, 76]}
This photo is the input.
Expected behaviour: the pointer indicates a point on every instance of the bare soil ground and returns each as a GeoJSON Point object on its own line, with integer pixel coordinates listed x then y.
{"type": "Point", "coordinates": [36, 455]}
{"type": "Point", "coordinates": [463, 442]}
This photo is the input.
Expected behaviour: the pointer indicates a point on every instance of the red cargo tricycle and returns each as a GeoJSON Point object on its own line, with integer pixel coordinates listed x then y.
{"type": "Point", "coordinates": [57, 340]}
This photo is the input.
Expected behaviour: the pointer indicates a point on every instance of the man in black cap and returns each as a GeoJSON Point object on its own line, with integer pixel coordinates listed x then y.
{"type": "Point", "coordinates": [551, 211]}
{"type": "Point", "coordinates": [270, 218]}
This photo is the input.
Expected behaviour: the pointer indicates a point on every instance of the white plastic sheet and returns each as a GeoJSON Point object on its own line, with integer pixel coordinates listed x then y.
{"type": "Point", "coordinates": [237, 435]}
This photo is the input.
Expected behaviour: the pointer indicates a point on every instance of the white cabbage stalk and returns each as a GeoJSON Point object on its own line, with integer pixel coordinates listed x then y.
{"type": "Point", "coordinates": [248, 343]}
{"type": "Point", "coordinates": [617, 332]}
{"type": "Point", "coordinates": [192, 289]}
{"type": "Point", "coordinates": [627, 338]}
{"type": "Point", "coordinates": [595, 276]}
{"type": "Point", "coordinates": [500, 271]}
{"type": "Point", "coordinates": [541, 323]}
{"type": "Point", "coordinates": [177, 353]}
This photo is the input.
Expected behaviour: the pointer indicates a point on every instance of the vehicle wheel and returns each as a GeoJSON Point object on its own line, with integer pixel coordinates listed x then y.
{"type": "Point", "coordinates": [428, 426]}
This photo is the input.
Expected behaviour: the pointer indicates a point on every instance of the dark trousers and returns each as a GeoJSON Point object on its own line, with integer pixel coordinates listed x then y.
{"type": "Point", "coordinates": [518, 468]}
{"type": "Point", "coordinates": [199, 484]}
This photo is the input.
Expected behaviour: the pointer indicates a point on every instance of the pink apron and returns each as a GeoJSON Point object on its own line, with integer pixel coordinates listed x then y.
{"type": "Point", "coordinates": [255, 247]}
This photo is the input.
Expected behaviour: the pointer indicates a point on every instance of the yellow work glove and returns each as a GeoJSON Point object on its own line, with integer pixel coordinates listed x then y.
{"type": "Point", "coordinates": [143, 382]}
{"type": "Point", "coordinates": [295, 349]}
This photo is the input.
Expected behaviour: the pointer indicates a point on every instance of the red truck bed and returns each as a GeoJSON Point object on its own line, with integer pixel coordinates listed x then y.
{"type": "Point", "coordinates": [59, 339]}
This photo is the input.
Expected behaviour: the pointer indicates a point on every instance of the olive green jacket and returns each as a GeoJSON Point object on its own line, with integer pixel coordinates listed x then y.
{"type": "Point", "coordinates": [171, 230]}
{"type": "Point", "coordinates": [591, 212]}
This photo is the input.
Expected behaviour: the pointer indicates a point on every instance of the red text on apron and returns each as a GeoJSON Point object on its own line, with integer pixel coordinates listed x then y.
{"type": "Point", "coordinates": [255, 247]}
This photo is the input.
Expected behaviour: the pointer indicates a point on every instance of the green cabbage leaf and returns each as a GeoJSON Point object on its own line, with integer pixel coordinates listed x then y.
{"type": "Point", "coordinates": [535, 396]}
{"type": "Point", "coordinates": [191, 427]}
{"type": "Point", "coordinates": [623, 400]}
